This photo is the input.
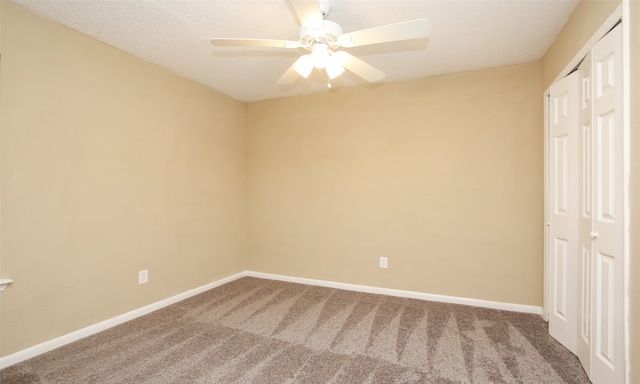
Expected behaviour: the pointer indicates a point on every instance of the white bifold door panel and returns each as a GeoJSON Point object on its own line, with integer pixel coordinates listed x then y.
{"type": "Point", "coordinates": [607, 224]}
{"type": "Point", "coordinates": [586, 212]}
{"type": "Point", "coordinates": [563, 215]}
{"type": "Point", "coordinates": [585, 217]}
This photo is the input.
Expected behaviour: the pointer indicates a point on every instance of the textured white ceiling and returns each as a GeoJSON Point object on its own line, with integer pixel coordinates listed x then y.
{"type": "Point", "coordinates": [175, 34]}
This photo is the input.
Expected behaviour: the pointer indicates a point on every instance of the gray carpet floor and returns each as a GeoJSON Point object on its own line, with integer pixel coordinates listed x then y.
{"type": "Point", "coordinates": [262, 331]}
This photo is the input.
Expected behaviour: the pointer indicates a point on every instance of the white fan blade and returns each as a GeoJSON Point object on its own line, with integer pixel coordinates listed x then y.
{"type": "Point", "coordinates": [288, 77]}
{"type": "Point", "coordinates": [359, 67]}
{"type": "Point", "coordinates": [407, 30]}
{"type": "Point", "coordinates": [309, 14]}
{"type": "Point", "coordinates": [256, 43]}
{"type": "Point", "coordinates": [302, 65]}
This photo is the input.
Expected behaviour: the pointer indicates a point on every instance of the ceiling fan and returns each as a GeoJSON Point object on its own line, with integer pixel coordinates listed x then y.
{"type": "Point", "coordinates": [322, 38]}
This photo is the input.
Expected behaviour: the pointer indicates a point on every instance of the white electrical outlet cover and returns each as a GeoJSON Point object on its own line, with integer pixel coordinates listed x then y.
{"type": "Point", "coordinates": [143, 277]}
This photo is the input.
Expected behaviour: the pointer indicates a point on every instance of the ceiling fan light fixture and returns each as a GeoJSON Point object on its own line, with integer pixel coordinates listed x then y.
{"type": "Point", "coordinates": [320, 56]}
{"type": "Point", "coordinates": [303, 66]}
{"type": "Point", "coordinates": [334, 69]}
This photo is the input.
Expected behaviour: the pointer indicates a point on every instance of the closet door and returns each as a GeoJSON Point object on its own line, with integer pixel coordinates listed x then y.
{"type": "Point", "coordinates": [563, 213]}
{"type": "Point", "coordinates": [598, 243]}
{"type": "Point", "coordinates": [585, 203]}
{"type": "Point", "coordinates": [607, 233]}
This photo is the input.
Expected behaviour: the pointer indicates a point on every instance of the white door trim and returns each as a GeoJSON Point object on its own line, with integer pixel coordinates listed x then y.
{"type": "Point", "coordinates": [626, 169]}
{"type": "Point", "coordinates": [547, 222]}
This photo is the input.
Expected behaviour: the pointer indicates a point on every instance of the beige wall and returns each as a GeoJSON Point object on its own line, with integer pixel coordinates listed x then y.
{"type": "Point", "coordinates": [110, 165]}
{"type": "Point", "coordinates": [583, 23]}
{"type": "Point", "coordinates": [443, 176]}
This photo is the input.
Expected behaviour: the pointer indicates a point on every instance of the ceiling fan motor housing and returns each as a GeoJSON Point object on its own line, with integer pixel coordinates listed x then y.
{"type": "Point", "coordinates": [329, 35]}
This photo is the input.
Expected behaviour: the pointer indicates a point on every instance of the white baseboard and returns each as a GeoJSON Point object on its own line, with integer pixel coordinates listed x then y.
{"type": "Point", "coordinates": [58, 342]}
{"type": "Point", "coordinates": [47, 346]}
{"type": "Point", "coordinates": [400, 293]}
